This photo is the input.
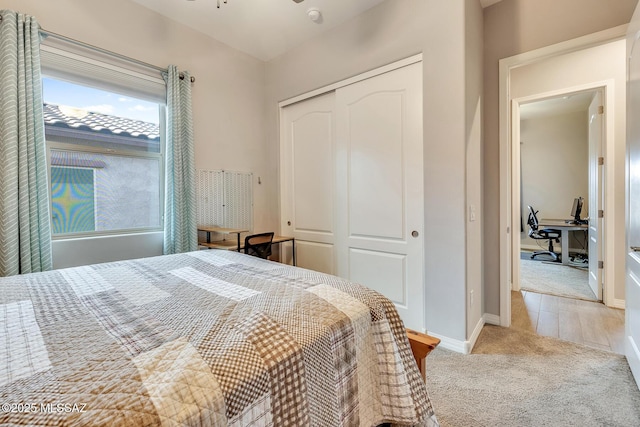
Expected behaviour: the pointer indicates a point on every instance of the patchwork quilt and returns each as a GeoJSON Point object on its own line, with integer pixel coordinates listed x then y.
{"type": "Point", "coordinates": [207, 338]}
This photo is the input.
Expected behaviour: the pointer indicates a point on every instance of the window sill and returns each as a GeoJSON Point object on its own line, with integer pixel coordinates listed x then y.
{"type": "Point", "coordinates": [71, 252]}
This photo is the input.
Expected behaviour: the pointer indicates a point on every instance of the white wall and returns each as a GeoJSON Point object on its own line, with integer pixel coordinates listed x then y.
{"type": "Point", "coordinates": [473, 119]}
{"type": "Point", "coordinates": [593, 66]}
{"type": "Point", "coordinates": [554, 152]}
{"type": "Point", "coordinates": [391, 31]}
{"type": "Point", "coordinates": [512, 27]}
{"type": "Point", "coordinates": [228, 97]}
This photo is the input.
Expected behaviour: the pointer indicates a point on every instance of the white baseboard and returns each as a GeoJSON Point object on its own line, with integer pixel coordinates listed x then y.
{"type": "Point", "coordinates": [491, 319]}
{"type": "Point", "coordinates": [474, 335]}
{"type": "Point", "coordinates": [458, 346]}
{"type": "Point", "coordinates": [449, 343]}
{"type": "Point", "coordinates": [618, 303]}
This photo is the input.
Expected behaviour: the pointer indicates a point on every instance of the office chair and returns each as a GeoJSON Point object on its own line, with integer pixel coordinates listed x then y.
{"type": "Point", "coordinates": [258, 244]}
{"type": "Point", "coordinates": [549, 234]}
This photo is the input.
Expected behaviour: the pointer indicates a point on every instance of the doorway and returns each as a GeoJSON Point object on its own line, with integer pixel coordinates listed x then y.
{"type": "Point", "coordinates": [561, 145]}
{"type": "Point", "coordinates": [588, 63]}
{"type": "Point", "coordinates": [561, 193]}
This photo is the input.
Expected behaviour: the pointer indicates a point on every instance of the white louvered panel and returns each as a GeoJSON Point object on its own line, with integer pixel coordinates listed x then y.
{"type": "Point", "coordinates": [210, 197]}
{"type": "Point", "coordinates": [239, 200]}
{"type": "Point", "coordinates": [224, 199]}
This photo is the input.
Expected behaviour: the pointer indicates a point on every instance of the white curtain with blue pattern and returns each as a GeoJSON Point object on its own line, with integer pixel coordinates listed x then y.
{"type": "Point", "coordinates": [25, 228]}
{"type": "Point", "coordinates": [180, 228]}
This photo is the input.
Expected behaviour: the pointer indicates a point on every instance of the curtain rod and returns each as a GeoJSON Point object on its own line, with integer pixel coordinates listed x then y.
{"type": "Point", "coordinates": [107, 52]}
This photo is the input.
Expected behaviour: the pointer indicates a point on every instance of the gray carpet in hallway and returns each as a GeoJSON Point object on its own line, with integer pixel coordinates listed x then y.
{"type": "Point", "coordinates": [555, 279]}
{"type": "Point", "coordinates": [516, 378]}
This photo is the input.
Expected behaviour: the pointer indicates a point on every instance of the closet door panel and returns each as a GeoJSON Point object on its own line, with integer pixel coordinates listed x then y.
{"type": "Point", "coordinates": [312, 162]}
{"type": "Point", "coordinates": [307, 181]}
{"type": "Point", "coordinates": [380, 197]}
{"type": "Point", "coordinates": [352, 185]}
{"type": "Point", "coordinates": [315, 256]}
{"type": "Point", "coordinates": [376, 144]}
{"type": "Point", "coordinates": [389, 267]}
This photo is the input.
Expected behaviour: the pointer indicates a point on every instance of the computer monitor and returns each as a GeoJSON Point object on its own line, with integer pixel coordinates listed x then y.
{"type": "Point", "coordinates": [576, 210]}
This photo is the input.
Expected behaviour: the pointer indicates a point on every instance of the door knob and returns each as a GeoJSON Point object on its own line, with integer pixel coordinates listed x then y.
{"type": "Point", "coordinates": [288, 222]}
{"type": "Point", "coordinates": [414, 233]}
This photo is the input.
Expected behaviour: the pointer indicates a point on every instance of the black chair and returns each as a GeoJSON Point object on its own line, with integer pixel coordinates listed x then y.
{"type": "Point", "coordinates": [258, 244]}
{"type": "Point", "coordinates": [549, 234]}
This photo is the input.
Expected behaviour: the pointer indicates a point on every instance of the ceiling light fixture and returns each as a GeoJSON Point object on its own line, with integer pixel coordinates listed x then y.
{"type": "Point", "coordinates": [217, 3]}
{"type": "Point", "coordinates": [225, 2]}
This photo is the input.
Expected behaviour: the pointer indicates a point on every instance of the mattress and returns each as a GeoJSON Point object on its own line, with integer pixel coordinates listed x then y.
{"type": "Point", "coordinates": [207, 338]}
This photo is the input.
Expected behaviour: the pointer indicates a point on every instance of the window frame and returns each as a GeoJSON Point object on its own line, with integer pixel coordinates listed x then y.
{"type": "Point", "coordinates": [78, 63]}
{"type": "Point", "coordinates": [92, 149]}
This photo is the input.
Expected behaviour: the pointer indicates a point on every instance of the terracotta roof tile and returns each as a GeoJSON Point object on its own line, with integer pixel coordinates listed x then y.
{"type": "Point", "coordinates": [74, 118]}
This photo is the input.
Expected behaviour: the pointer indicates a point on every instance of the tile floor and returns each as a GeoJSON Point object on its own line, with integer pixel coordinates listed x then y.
{"type": "Point", "coordinates": [583, 322]}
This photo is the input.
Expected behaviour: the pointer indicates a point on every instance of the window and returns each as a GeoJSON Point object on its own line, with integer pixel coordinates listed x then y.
{"type": "Point", "coordinates": [105, 160]}
{"type": "Point", "coordinates": [103, 130]}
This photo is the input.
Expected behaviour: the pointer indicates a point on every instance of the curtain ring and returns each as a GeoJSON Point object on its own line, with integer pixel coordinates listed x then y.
{"type": "Point", "coordinates": [192, 79]}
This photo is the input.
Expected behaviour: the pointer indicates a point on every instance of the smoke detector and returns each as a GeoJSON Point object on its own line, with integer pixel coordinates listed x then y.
{"type": "Point", "coordinates": [315, 15]}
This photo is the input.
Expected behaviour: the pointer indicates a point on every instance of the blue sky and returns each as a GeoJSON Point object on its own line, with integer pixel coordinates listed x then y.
{"type": "Point", "coordinates": [63, 93]}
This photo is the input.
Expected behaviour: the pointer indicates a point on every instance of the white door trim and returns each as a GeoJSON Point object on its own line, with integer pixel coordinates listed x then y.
{"type": "Point", "coordinates": [507, 172]}
{"type": "Point", "coordinates": [606, 87]}
{"type": "Point", "coordinates": [342, 83]}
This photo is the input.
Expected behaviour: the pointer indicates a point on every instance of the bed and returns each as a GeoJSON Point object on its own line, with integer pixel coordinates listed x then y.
{"type": "Point", "coordinates": [207, 338]}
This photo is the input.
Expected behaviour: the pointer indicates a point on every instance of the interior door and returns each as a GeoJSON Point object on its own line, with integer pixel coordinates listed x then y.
{"type": "Point", "coordinates": [308, 181]}
{"type": "Point", "coordinates": [632, 295]}
{"type": "Point", "coordinates": [380, 192]}
{"type": "Point", "coordinates": [596, 113]}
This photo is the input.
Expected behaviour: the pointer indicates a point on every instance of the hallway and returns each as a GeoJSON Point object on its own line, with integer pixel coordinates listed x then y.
{"type": "Point", "coordinates": [582, 322]}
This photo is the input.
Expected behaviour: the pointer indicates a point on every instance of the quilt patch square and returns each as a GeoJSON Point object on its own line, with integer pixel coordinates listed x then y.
{"type": "Point", "coordinates": [214, 285]}
{"type": "Point", "coordinates": [284, 360]}
{"type": "Point", "coordinates": [22, 349]}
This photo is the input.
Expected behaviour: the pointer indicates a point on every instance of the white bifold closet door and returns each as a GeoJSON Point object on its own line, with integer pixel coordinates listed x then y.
{"type": "Point", "coordinates": [307, 181]}
{"type": "Point", "coordinates": [352, 185]}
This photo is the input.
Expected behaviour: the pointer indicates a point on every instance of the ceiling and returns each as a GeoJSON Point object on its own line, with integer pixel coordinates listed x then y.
{"type": "Point", "coordinates": [487, 3]}
{"type": "Point", "coordinates": [569, 103]}
{"type": "Point", "coordinates": [264, 29]}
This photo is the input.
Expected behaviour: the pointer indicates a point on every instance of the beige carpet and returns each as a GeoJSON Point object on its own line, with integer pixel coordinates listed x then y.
{"type": "Point", "coordinates": [555, 279]}
{"type": "Point", "coordinates": [516, 378]}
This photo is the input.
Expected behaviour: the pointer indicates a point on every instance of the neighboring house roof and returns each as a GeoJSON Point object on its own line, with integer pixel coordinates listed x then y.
{"type": "Point", "coordinates": [77, 159]}
{"type": "Point", "coordinates": [101, 129]}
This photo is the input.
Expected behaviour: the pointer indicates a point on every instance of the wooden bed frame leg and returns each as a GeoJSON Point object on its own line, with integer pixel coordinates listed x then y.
{"type": "Point", "coordinates": [421, 346]}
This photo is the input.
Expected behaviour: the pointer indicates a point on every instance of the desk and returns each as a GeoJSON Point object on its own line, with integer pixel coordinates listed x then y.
{"type": "Point", "coordinates": [239, 245]}
{"type": "Point", "coordinates": [281, 239]}
{"type": "Point", "coordinates": [221, 244]}
{"type": "Point", "coordinates": [565, 228]}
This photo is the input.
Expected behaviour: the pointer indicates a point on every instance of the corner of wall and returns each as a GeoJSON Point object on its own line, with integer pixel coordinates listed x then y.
{"type": "Point", "coordinates": [459, 346]}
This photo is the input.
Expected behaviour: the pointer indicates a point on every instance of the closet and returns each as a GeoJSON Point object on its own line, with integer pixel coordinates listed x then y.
{"type": "Point", "coordinates": [352, 183]}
